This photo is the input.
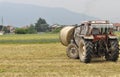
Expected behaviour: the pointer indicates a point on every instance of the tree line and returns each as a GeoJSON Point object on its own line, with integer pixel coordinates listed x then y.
{"type": "Point", "coordinates": [40, 26]}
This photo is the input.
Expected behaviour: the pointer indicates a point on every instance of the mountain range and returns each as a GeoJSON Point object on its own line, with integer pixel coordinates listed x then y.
{"type": "Point", "coordinates": [24, 14]}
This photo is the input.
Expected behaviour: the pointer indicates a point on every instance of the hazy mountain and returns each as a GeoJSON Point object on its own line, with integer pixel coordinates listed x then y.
{"type": "Point", "coordinates": [25, 14]}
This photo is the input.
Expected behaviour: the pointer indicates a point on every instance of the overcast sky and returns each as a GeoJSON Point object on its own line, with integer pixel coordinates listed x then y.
{"type": "Point", "coordinates": [104, 9]}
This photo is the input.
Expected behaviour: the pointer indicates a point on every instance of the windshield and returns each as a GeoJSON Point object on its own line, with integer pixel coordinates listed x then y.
{"type": "Point", "coordinates": [96, 31]}
{"type": "Point", "coordinates": [102, 29]}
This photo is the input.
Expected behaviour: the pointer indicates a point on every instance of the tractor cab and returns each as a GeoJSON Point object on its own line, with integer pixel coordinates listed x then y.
{"type": "Point", "coordinates": [98, 29]}
{"type": "Point", "coordinates": [101, 29]}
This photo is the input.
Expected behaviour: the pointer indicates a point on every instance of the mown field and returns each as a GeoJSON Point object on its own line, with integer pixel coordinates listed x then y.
{"type": "Point", "coordinates": [46, 57]}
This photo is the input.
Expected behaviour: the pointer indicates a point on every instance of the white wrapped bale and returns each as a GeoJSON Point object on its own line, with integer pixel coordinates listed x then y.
{"type": "Point", "coordinates": [66, 34]}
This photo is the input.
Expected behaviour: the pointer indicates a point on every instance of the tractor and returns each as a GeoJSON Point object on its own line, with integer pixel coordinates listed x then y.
{"type": "Point", "coordinates": [89, 40]}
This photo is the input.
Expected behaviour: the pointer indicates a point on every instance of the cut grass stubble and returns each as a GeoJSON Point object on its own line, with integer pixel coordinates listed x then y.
{"type": "Point", "coordinates": [49, 60]}
{"type": "Point", "coordinates": [27, 56]}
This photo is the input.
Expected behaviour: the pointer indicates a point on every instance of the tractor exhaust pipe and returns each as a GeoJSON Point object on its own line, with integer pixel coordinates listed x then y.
{"type": "Point", "coordinates": [119, 50]}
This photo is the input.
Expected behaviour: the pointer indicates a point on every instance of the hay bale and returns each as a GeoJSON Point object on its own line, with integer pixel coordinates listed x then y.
{"type": "Point", "coordinates": [66, 34]}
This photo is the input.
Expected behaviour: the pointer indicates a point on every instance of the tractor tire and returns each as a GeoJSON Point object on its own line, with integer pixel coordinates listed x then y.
{"type": "Point", "coordinates": [72, 51]}
{"type": "Point", "coordinates": [85, 51]}
{"type": "Point", "coordinates": [114, 54]}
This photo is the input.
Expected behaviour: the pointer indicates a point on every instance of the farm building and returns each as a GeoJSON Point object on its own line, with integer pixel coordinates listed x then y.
{"type": "Point", "coordinates": [117, 26]}
{"type": "Point", "coordinates": [11, 29]}
{"type": "Point", "coordinates": [54, 26]}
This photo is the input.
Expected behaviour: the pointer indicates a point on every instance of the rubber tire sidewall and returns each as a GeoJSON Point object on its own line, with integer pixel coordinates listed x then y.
{"type": "Point", "coordinates": [76, 56]}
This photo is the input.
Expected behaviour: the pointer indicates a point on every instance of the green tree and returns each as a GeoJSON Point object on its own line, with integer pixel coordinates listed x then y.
{"type": "Point", "coordinates": [41, 25]}
{"type": "Point", "coordinates": [31, 29]}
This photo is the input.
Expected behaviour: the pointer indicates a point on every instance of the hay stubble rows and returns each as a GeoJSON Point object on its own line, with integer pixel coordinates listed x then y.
{"type": "Point", "coordinates": [49, 60]}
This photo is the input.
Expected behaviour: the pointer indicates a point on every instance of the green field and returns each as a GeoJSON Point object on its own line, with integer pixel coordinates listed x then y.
{"type": "Point", "coordinates": [46, 59]}
{"type": "Point", "coordinates": [29, 38]}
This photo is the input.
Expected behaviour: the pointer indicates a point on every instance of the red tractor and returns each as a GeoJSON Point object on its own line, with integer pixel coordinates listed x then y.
{"type": "Point", "coordinates": [92, 39]}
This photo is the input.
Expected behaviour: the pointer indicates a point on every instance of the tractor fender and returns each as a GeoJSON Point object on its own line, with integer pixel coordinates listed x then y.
{"type": "Point", "coordinates": [88, 37]}
{"type": "Point", "coordinates": [112, 37]}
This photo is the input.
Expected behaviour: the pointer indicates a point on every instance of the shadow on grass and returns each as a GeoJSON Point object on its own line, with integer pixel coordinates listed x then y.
{"type": "Point", "coordinates": [104, 61]}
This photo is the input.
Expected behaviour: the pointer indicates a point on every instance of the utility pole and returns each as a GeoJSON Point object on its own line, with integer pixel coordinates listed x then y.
{"type": "Point", "coordinates": [2, 20]}
{"type": "Point", "coordinates": [2, 23]}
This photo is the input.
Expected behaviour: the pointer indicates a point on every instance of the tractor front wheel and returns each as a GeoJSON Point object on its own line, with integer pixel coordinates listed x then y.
{"type": "Point", "coordinates": [72, 51]}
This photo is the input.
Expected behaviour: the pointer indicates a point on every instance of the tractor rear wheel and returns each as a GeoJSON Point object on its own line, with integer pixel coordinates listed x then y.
{"type": "Point", "coordinates": [72, 51]}
{"type": "Point", "coordinates": [114, 54]}
{"type": "Point", "coordinates": [85, 50]}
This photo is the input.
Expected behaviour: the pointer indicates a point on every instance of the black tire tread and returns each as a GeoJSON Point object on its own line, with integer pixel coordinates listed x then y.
{"type": "Point", "coordinates": [88, 53]}
{"type": "Point", "coordinates": [114, 55]}
{"type": "Point", "coordinates": [89, 47]}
